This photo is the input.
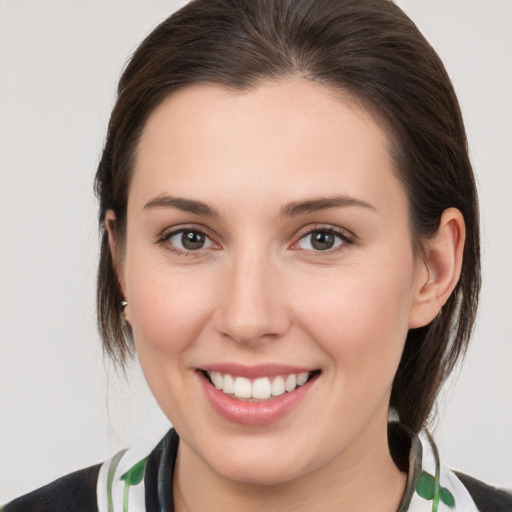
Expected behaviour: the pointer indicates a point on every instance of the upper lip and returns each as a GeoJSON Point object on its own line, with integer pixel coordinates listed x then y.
{"type": "Point", "coordinates": [256, 371]}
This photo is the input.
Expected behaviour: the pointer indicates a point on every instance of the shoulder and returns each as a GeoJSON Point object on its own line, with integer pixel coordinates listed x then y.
{"type": "Point", "coordinates": [75, 492]}
{"type": "Point", "coordinates": [103, 487]}
{"type": "Point", "coordinates": [433, 486]}
{"type": "Point", "coordinates": [486, 497]}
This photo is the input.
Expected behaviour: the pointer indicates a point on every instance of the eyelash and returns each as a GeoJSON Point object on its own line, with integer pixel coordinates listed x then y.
{"type": "Point", "coordinates": [342, 237]}
{"type": "Point", "coordinates": [166, 237]}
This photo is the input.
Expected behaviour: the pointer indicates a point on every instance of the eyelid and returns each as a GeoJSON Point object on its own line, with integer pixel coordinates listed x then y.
{"type": "Point", "coordinates": [347, 237]}
{"type": "Point", "coordinates": [166, 234]}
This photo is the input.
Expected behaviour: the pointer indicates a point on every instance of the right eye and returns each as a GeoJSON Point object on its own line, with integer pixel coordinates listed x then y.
{"type": "Point", "coordinates": [187, 240]}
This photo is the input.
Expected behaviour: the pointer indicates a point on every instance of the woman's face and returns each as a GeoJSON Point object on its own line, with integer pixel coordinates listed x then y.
{"type": "Point", "coordinates": [268, 241]}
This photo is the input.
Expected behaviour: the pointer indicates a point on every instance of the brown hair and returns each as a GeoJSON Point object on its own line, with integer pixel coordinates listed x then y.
{"type": "Point", "coordinates": [367, 48]}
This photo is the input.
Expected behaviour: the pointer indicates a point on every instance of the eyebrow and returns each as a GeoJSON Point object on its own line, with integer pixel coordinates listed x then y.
{"type": "Point", "coordinates": [322, 203]}
{"type": "Point", "coordinates": [183, 204]}
{"type": "Point", "coordinates": [289, 210]}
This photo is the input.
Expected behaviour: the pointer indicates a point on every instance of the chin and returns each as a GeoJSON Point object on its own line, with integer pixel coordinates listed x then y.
{"type": "Point", "coordinates": [259, 459]}
{"type": "Point", "coordinates": [261, 471]}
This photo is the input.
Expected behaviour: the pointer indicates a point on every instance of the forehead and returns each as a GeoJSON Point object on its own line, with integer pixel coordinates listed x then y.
{"type": "Point", "coordinates": [284, 138]}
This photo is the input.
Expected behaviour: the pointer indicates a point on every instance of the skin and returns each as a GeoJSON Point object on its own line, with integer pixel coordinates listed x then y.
{"type": "Point", "coordinates": [258, 292]}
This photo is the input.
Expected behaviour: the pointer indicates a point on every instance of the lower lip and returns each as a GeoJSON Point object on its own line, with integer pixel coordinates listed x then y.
{"type": "Point", "coordinates": [254, 413]}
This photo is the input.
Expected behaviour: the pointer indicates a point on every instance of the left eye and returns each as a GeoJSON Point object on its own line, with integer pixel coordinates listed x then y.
{"type": "Point", "coordinates": [189, 240]}
{"type": "Point", "coordinates": [320, 240]}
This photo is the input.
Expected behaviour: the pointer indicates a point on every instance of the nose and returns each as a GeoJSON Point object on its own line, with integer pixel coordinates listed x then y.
{"type": "Point", "coordinates": [253, 301]}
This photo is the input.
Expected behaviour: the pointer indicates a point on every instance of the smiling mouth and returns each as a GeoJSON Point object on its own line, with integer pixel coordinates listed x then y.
{"type": "Point", "coordinates": [262, 388]}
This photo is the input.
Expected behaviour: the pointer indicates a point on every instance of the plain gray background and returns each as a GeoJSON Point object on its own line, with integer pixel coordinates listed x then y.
{"type": "Point", "coordinates": [62, 407]}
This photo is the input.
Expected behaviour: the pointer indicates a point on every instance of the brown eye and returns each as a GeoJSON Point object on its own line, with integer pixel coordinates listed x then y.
{"type": "Point", "coordinates": [192, 240]}
{"type": "Point", "coordinates": [321, 240]}
{"type": "Point", "coordinates": [189, 240]}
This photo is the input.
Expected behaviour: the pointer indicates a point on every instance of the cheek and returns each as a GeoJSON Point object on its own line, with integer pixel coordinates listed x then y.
{"type": "Point", "coordinates": [360, 319]}
{"type": "Point", "coordinates": [168, 307]}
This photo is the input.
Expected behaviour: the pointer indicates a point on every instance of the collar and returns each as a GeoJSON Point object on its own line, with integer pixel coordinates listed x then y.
{"type": "Point", "coordinates": [141, 481]}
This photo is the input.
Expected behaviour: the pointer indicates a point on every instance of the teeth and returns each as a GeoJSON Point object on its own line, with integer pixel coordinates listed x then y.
{"type": "Point", "coordinates": [217, 379]}
{"type": "Point", "coordinates": [302, 378]}
{"type": "Point", "coordinates": [291, 383]}
{"type": "Point", "coordinates": [278, 386]}
{"type": "Point", "coordinates": [243, 387]}
{"type": "Point", "coordinates": [228, 385]}
{"type": "Point", "coordinates": [260, 389]}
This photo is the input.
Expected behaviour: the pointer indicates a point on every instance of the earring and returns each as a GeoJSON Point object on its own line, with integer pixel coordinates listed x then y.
{"type": "Point", "coordinates": [123, 313]}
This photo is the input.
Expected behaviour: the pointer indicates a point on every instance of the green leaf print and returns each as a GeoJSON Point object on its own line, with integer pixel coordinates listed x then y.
{"type": "Point", "coordinates": [447, 497]}
{"type": "Point", "coordinates": [133, 476]}
{"type": "Point", "coordinates": [426, 488]}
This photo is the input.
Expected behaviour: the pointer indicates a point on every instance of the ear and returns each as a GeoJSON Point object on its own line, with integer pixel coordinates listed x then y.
{"type": "Point", "coordinates": [115, 248]}
{"type": "Point", "coordinates": [440, 269]}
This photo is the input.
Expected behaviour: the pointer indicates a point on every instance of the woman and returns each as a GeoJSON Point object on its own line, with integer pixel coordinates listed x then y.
{"type": "Point", "coordinates": [291, 245]}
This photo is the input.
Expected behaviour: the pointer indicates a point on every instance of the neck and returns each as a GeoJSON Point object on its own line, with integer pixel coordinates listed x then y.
{"type": "Point", "coordinates": [362, 478]}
